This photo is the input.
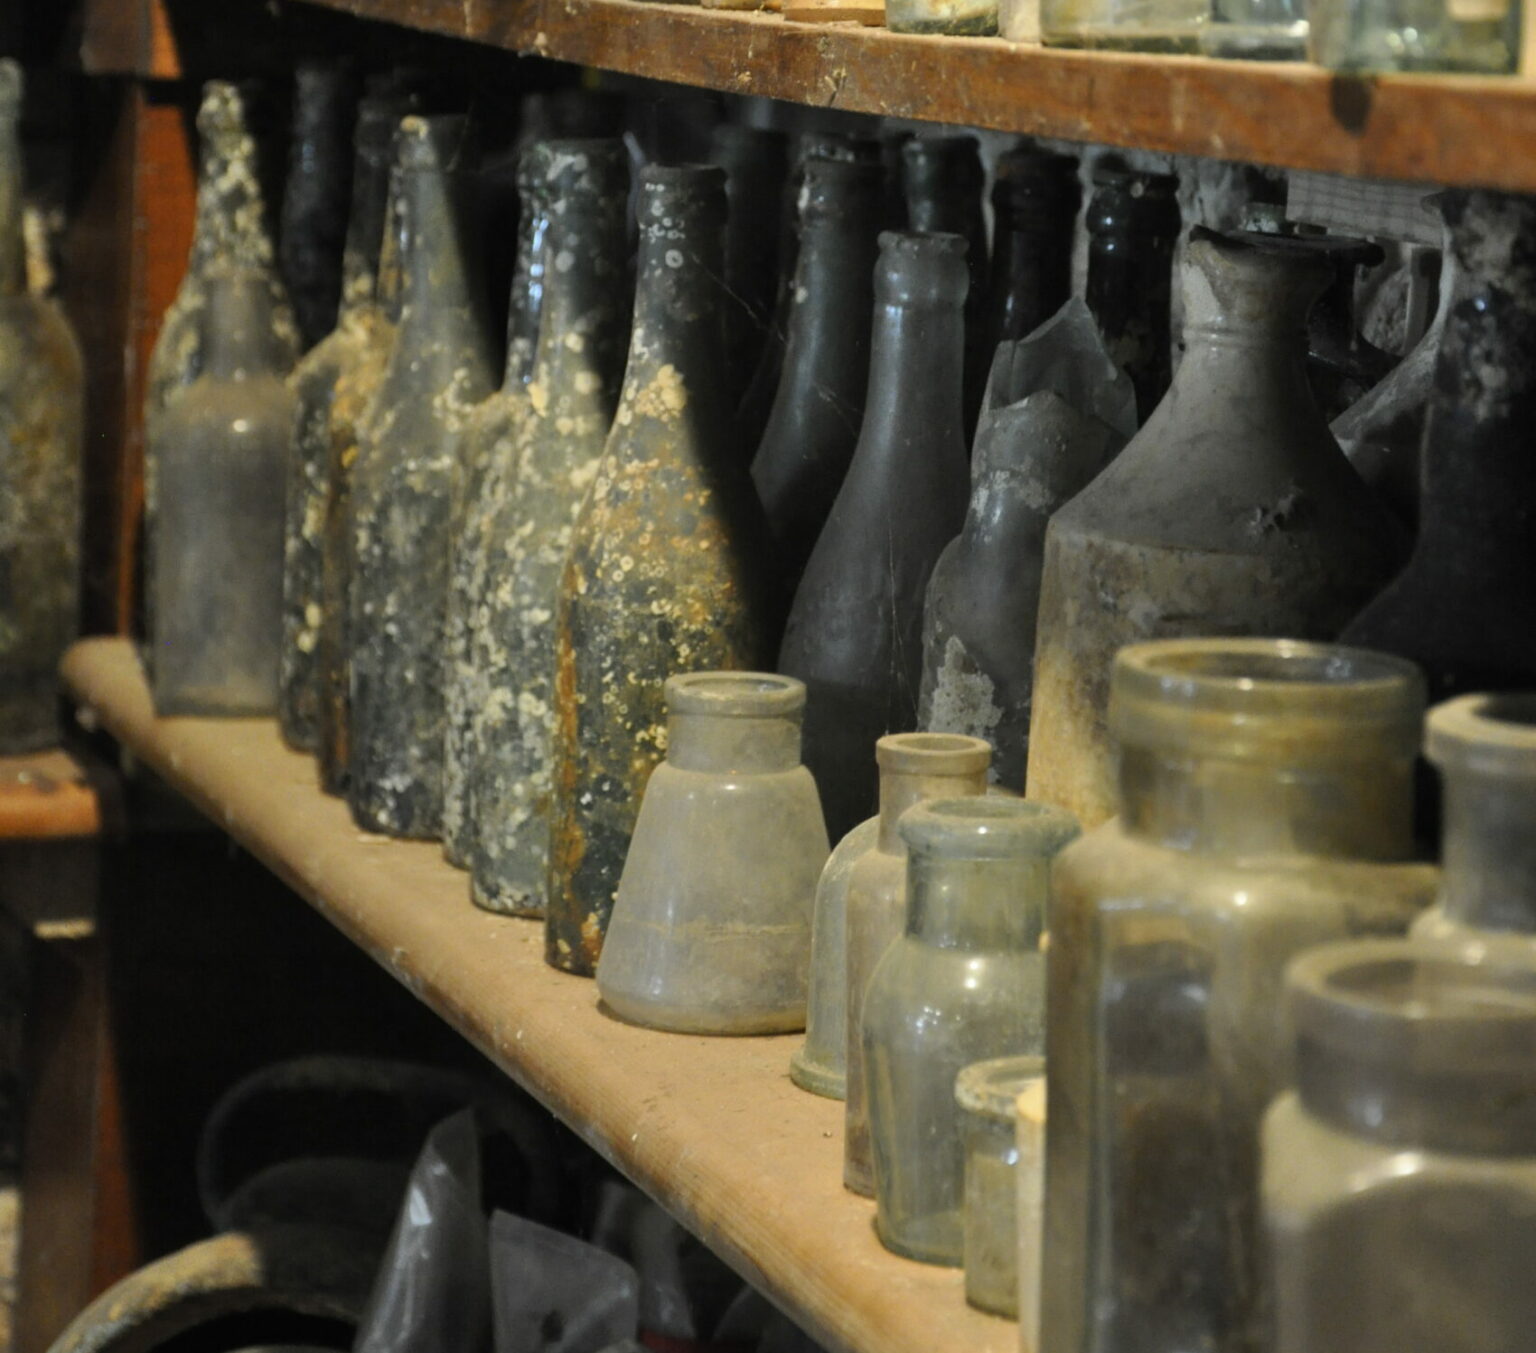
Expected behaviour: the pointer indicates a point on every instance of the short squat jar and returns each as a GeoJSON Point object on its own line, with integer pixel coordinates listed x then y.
{"type": "Point", "coordinates": [1400, 1173]}
{"type": "Point", "coordinates": [711, 928]}
{"type": "Point", "coordinates": [964, 982]}
{"type": "Point", "coordinates": [1485, 749]}
{"type": "Point", "coordinates": [987, 1094]}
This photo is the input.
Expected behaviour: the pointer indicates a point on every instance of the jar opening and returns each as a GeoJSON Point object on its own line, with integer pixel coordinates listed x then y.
{"type": "Point", "coordinates": [932, 754]}
{"type": "Point", "coordinates": [750, 695]}
{"type": "Point", "coordinates": [1486, 734]}
{"type": "Point", "coordinates": [984, 827]}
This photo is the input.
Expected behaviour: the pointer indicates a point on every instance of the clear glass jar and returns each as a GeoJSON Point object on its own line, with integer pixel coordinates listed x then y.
{"type": "Point", "coordinates": [1265, 806]}
{"type": "Point", "coordinates": [963, 18]}
{"type": "Point", "coordinates": [1474, 36]}
{"type": "Point", "coordinates": [1135, 25]}
{"type": "Point", "coordinates": [1399, 1176]}
{"type": "Point", "coordinates": [711, 927]}
{"type": "Point", "coordinates": [965, 981]}
{"type": "Point", "coordinates": [988, 1094]}
{"type": "Point", "coordinates": [1485, 749]}
{"type": "Point", "coordinates": [1256, 30]}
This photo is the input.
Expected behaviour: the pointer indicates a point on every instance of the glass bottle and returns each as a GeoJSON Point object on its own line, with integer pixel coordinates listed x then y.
{"type": "Point", "coordinates": [1232, 511]}
{"type": "Point", "coordinates": [313, 383]}
{"type": "Point", "coordinates": [555, 431]}
{"type": "Point", "coordinates": [1133, 226]}
{"type": "Point", "coordinates": [1342, 364]}
{"type": "Point", "coordinates": [987, 1094]}
{"type": "Point", "coordinates": [1035, 197]}
{"type": "Point", "coordinates": [42, 410]}
{"type": "Point", "coordinates": [962, 18]}
{"type": "Point", "coordinates": [216, 587]}
{"type": "Point", "coordinates": [855, 629]}
{"type": "Point", "coordinates": [756, 164]}
{"type": "Point", "coordinates": [1471, 36]}
{"type": "Point", "coordinates": [1266, 791]}
{"type": "Point", "coordinates": [1465, 607]}
{"type": "Point", "coordinates": [527, 296]}
{"type": "Point", "coordinates": [1485, 749]}
{"type": "Point", "coordinates": [403, 489]}
{"type": "Point", "coordinates": [814, 425]}
{"type": "Point", "coordinates": [711, 928]}
{"type": "Point", "coordinates": [914, 767]}
{"type": "Point", "coordinates": [1399, 1176]}
{"type": "Point", "coordinates": [664, 571]}
{"type": "Point", "coordinates": [1171, 26]}
{"type": "Point", "coordinates": [965, 981]}
{"type": "Point", "coordinates": [1256, 30]}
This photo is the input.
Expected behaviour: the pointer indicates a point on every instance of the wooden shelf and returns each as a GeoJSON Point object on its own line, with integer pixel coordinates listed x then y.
{"type": "Point", "coordinates": [710, 1127]}
{"type": "Point", "coordinates": [1433, 129]}
{"type": "Point", "coordinates": [46, 796]}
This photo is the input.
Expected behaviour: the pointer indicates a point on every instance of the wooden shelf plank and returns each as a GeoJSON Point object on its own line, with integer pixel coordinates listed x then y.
{"type": "Point", "coordinates": [710, 1127]}
{"type": "Point", "coordinates": [46, 796]}
{"type": "Point", "coordinates": [1433, 129]}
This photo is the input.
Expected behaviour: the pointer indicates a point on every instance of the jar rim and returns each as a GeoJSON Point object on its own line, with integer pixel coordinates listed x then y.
{"type": "Point", "coordinates": [738, 695]}
{"type": "Point", "coordinates": [1487, 733]}
{"type": "Point", "coordinates": [987, 827]}
{"type": "Point", "coordinates": [933, 754]}
{"type": "Point", "coordinates": [992, 1088]}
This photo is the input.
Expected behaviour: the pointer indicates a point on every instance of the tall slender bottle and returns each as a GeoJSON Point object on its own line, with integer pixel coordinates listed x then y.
{"type": "Point", "coordinates": [855, 630]}
{"type": "Point", "coordinates": [41, 428]}
{"type": "Point", "coordinates": [403, 488]}
{"type": "Point", "coordinates": [819, 407]}
{"type": "Point", "coordinates": [314, 383]}
{"type": "Point", "coordinates": [663, 572]}
{"type": "Point", "coordinates": [1035, 197]}
{"type": "Point", "coordinates": [556, 443]}
{"type": "Point", "coordinates": [756, 163]}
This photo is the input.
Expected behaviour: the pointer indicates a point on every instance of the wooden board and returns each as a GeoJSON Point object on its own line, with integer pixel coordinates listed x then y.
{"type": "Point", "coordinates": [44, 796]}
{"type": "Point", "coordinates": [1446, 129]}
{"type": "Point", "coordinates": [711, 1127]}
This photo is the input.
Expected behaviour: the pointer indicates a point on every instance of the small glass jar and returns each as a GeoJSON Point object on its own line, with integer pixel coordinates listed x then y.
{"type": "Point", "coordinates": [1126, 25]}
{"type": "Point", "coordinates": [965, 981]}
{"type": "Point", "coordinates": [960, 18]}
{"type": "Point", "coordinates": [1265, 794]}
{"type": "Point", "coordinates": [711, 928]}
{"type": "Point", "coordinates": [1399, 1176]}
{"type": "Point", "coordinates": [988, 1094]}
{"type": "Point", "coordinates": [1485, 749]}
{"type": "Point", "coordinates": [1472, 36]}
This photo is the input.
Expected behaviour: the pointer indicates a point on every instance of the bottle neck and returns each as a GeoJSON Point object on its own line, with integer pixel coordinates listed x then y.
{"type": "Point", "coordinates": [524, 309]}
{"type": "Point", "coordinates": [677, 321]}
{"type": "Point", "coordinates": [900, 790]}
{"type": "Point", "coordinates": [584, 299]}
{"type": "Point", "coordinates": [438, 244]}
{"type": "Point", "coordinates": [360, 259]}
{"type": "Point", "coordinates": [722, 745]}
{"type": "Point", "coordinates": [230, 226]}
{"type": "Point", "coordinates": [1488, 879]}
{"type": "Point", "coordinates": [13, 260]}
{"type": "Point", "coordinates": [832, 281]}
{"type": "Point", "coordinates": [977, 905]}
{"type": "Point", "coordinates": [237, 332]}
{"type": "Point", "coordinates": [914, 384]}
{"type": "Point", "coordinates": [1359, 810]}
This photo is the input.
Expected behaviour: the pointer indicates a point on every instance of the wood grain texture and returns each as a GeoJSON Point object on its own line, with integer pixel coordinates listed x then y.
{"type": "Point", "coordinates": [711, 1127]}
{"type": "Point", "coordinates": [1435, 129]}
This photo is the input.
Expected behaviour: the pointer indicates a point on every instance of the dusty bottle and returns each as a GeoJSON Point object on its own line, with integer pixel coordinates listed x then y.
{"type": "Point", "coordinates": [1484, 747]}
{"type": "Point", "coordinates": [855, 629]}
{"type": "Point", "coordinates": [555, 431]}
{"type": "Point", "coordinates": [1059, 410]}
{"type": "Point", "coordinates": [527, 297]}
{"type": "Point", "coordinates": [914, 767]}
{"type": "Point", "coordinates": [1035, 197]}
{"type": "Point", "coordinates": [965, 981]}
{"type": "Point", "coordinates": [664, 570]}
{"type": "Point", "coordinates": [1400, 1173]}
{"type": "Point", "coordinates": [216, 586]}
{"type": "Point", "coordinates": [313, 383]}
{"type": "Point", "coordinates": [816, 414]}
{"type": "Point", "coordinates": [711, 928]}
{"type": "Point", "coordinates": [756, 165]}
{"type": "Point", "coordinates": [1133, 226]}
{"type": "Point", "coordinates": [1265, 806]}
{"type": "Point", "coordinates": [403, 489]}
{"type": "Point", "coordinates": [1232, 511]}
{"type": "Point", "coordinates": [1416, 35]}
{"type": "Point", "coordinates": [1465, 606]}
{"type": "Point", "coordinates": [964, 18]}
{"type": "Point", "coordinates": [42, 396]}
{"type": "Point", "coordinates": [313, 223]}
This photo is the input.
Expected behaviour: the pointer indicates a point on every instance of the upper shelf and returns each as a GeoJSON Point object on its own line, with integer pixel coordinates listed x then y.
{"type": "Point", "coordinates": [1434, 129]}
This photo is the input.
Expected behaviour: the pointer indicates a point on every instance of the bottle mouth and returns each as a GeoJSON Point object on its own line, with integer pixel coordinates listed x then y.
{"type": "Point", "coordinates": [1266, 699]}
{"type": "Point", "coordinates": [735, 695]}
{"type": "Point", "coordinates": [921, 268]}
{"type": "Point", "coordinates": [987, 827]}
{"type": "Point", "coordinates": [991, 1089]}
{"type": "Point", "coordinates": [1486, 734]}
{"type": "Point", "coordinates": [933, 754]}
{"type": "Point", "coordinates": [443, 142]}
{"type": "Point", "coordinates": [698, 177]}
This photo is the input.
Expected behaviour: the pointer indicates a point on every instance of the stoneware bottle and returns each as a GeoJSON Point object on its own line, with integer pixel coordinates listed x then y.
{"type": "Point", "coordinates": [1232, 511]}
{"type": "Point", "coordinates": [756, 164]}
{"type": "Point", "coordinates": [403, 489]}
{"type": "Point", "coordinates": [964, 981]}
{"type": "Point", "coordinates": [533, 494]}
{"type": "Point", "coordinates": [816, 415]}
{"type": "Point", "coordinates": [855, 629]}
{"type": "Point", "coordinates": [316, 191]}
{"type": "Point", "coordinates": [42, 397]}
{"type": "Point", "coordinates": [357, 382]}
{"type": "Point", "coordinates": [1039, 442]}
{"type": "Point", "coordinates": [914, 767]}
{"type": "Point", "coordinates": [664, 571]}
{"type": "Point", "coordinates": [1035, 197]}
{"type": "Point", "coordinates": [1133, 226]}
{"type": "Point", "coordinates": [216, 586]}
{"type": "Point", "coordinates": [1465, 606]}
{"type": "Point", "coordinates": [711, 929]}
{"type": "Point", "coordinates": [313, 383]}
{"type": "Point", "coordinates": [1265, 806]}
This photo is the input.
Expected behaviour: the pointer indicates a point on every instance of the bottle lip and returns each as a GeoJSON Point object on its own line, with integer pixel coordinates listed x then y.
{"type": "Point", "coordinates": [1266, 699]}
{"type": "Point", "coordinates": [589, 165]}
{"type": "Point", "coordinates": [1135, 181]}
{"type": "Point", "coordinates": [933, 754]}
{"type": "Point", "coordinates": [992, 1088]}
{"type": "Point", "coordinates": [698, 177]}
{"type": "Point", "coordinates": [1485, 733]}
{"type": "Point", "coordinates": [13, 84]}
{"type": "Point", "coordinates": [987, 827]}
{"type": "Point", "coordinates": [836, 146]}
{"type": "Point", "coordinates": [735, 695]}
{"type": "Point", "coordinates": [437, 141]}
{"type": "Point", "coordinates": [222, 108]}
